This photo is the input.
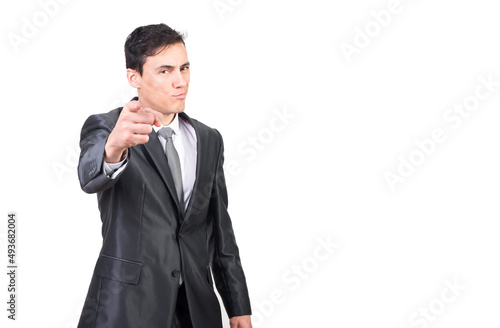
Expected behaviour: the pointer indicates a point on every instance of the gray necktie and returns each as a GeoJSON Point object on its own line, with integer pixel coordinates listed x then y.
{"type": "Point", "coordinates": [173, 163]}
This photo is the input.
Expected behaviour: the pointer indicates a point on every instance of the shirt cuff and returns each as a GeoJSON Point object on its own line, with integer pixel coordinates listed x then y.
{"type": "Point", "coordinates": [111, 170]}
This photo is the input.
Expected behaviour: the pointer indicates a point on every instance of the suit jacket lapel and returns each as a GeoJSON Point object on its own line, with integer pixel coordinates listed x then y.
{"type": "Point", "coordinates": [199, 161]}
{"type": "Point", "coordinates": [156, 157]}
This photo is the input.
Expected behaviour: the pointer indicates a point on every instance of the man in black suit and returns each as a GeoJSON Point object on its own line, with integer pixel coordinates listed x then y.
{"type": "Point", "coordinates": [163, 201]}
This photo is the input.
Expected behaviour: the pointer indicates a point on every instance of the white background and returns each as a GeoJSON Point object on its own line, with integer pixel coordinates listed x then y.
{"type": "Point", "coordinates": [320, 176]}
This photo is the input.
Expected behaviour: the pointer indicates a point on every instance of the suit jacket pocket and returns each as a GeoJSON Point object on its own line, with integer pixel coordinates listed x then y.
{"type": "Point", "coordinates": [118, 269]}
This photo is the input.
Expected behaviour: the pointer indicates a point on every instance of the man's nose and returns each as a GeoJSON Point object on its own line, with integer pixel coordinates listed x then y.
{"type": "Point", "coordinates": [179, 80]}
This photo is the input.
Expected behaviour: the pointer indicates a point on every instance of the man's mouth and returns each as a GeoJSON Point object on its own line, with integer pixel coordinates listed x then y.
{"type": "Point", "coordinates": [180, 96]}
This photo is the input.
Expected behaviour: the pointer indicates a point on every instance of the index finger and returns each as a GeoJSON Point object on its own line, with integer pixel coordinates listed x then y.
{"type": "Point", "coordinates": [133, 106]}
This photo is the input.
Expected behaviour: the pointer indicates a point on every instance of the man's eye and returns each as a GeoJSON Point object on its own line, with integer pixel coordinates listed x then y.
{"type": "Point", "coordinates": [164, 71]}
{"type": "Point", "coordinates": [185, 68]}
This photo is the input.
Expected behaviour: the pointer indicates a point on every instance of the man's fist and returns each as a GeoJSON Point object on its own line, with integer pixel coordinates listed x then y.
{"type": "Point", "coordinates": [243, 321]}
{"type": "Point", "coordinates": [132, 128]}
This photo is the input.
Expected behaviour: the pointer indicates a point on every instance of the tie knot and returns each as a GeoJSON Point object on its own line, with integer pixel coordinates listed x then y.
{"type": "Point", "coordinates": [166, 132]}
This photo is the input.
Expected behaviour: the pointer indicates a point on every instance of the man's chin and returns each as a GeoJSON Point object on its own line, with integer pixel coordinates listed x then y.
{"type": "Point", "coordinates": [169, 111]}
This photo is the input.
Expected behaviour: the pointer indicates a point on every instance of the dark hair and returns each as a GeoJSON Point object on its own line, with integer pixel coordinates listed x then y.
{"type": "Point", "coordinates": [147, 41]}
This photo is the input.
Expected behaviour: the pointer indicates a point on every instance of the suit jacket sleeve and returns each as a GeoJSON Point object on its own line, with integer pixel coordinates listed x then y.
{"type": "Point", "coordinates": [228, 272]}
{"type": "Point", "coordinates": [93, 138]}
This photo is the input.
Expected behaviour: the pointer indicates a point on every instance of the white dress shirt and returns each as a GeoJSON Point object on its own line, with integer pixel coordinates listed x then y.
{"type": "Point", "coordinates": [184, 138]}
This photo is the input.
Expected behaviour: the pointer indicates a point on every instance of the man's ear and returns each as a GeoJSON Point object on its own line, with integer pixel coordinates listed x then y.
{"type": "Point", "coordinates": [134, 78]}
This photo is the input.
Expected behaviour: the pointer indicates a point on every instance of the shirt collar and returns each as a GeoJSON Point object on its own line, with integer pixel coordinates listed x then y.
{"type": "Point", "coordinates": [174, 125]}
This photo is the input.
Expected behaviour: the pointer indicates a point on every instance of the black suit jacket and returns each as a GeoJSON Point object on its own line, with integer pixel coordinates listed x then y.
{"type": "Point", "coordinates": [144, 250]}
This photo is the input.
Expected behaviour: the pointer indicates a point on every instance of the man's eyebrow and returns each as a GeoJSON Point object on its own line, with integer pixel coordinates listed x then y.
{"type": "Point", "coordinates": [170, 66]}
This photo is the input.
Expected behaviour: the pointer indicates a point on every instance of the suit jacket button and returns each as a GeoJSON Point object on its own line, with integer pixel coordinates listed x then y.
{"type": "Point", "coordinates": [176, 273]}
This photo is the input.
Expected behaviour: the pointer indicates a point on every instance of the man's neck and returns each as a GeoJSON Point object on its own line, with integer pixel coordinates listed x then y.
{"type": "Point", "coordinates": [167, 119]}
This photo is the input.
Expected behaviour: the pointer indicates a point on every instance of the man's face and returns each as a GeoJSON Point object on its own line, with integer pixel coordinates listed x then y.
{"type": "Point", "coordinates": [164, 83]}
